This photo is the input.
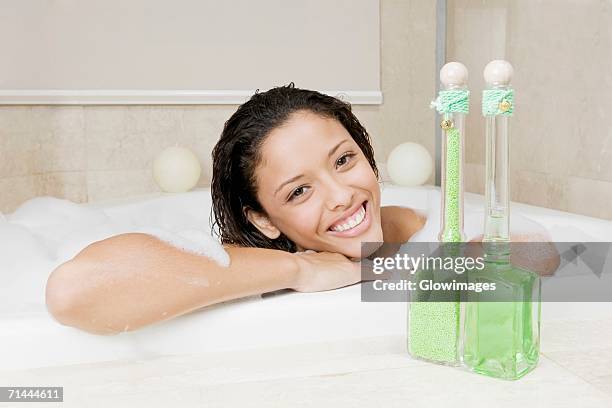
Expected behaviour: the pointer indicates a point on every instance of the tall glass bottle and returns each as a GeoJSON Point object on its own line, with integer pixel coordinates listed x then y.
{"type": "Point", "coordinates": [434, 324]}
{"type": "Point", "coordinates": [501, 338]}
{"type": "Point", "coordinates": [453, 139]}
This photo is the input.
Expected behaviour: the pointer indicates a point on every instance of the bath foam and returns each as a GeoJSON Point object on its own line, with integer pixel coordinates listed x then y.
{"type": "Point", "coordinates": [65, 228]}
{"type": "Point", "coordinates": [193, 241]}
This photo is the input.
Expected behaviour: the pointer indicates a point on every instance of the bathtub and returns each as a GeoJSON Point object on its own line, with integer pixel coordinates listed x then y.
{"type": "Point", "coordinates": [37, 241]}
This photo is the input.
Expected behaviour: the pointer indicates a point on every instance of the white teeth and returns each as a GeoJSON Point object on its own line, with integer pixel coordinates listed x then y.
{"type": "Point", "coordinates": [352, 222]}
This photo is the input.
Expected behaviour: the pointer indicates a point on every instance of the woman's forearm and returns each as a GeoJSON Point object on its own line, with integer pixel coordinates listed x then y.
{"type": "Point", "coordinates": [132, 280]}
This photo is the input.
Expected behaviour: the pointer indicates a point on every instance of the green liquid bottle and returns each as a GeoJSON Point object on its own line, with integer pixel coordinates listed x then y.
{"type": "Point", "coordinates": [501, 335]}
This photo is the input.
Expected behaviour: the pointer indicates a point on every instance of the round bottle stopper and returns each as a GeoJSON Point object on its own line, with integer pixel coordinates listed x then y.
{"type": "Point", "coordinates": [454, 73]}
{"type": "Point", "coordinates": [498, 72]}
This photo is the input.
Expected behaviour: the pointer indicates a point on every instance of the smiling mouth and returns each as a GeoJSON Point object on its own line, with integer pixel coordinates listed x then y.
{"type": "Point", "coordinates": [352, 222]}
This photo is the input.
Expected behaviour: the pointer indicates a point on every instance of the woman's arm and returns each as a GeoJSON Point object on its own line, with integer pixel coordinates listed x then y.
{"type": "Point", "coordinates": [132, 280]}
{"type": "Point", "coordinates": [541, 257]}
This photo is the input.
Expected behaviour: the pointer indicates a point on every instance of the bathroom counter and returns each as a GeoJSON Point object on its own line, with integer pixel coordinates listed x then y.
{"type": "Point", "coordinates": [574, 370]}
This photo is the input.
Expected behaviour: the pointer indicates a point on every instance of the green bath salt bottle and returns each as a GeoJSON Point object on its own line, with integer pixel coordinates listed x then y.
{"type": "Point", "coordinates": [433, 322]}
{"type": "Point", "coordinates": [501, 328]}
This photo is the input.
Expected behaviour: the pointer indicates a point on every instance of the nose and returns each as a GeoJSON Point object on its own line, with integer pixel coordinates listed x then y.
{"type": "Point", "coordinates": [338, 194]}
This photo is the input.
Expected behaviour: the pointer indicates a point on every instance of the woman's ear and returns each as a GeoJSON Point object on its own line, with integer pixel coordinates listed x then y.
{"type": "Point", "coordinates": [262, 223]}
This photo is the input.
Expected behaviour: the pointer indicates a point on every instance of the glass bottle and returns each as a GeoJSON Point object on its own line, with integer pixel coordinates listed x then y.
{"type": "Point", "coordinates": [501, 335]}
{"type": "Point", "coordinates": [434, 324]}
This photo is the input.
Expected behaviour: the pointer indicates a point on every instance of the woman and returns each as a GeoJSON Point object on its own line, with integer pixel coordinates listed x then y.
{"type": "Point", "coordinates": [295, 193]}
{"type": "Point", "coordinates": [293, 171]}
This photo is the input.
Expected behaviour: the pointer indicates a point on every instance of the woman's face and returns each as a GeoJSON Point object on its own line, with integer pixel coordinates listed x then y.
{"type": "Point", "coordinates": [317, 187]}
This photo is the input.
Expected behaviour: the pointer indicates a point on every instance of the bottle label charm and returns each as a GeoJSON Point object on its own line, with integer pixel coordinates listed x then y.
{"type": "Point", "coordinates": [446, 124]}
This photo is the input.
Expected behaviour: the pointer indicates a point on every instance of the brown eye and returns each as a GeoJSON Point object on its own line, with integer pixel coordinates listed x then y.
{"type": "Point", "coordinates": [345, 158]}
{"type": "Point", "coordinates": [297, 192]}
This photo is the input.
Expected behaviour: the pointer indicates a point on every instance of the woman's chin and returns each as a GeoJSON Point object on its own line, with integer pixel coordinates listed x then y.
{"type": "Point", "coordinates": [368, 248]}
{"type": "Point", "coordinates": [361, 247]}
{"type": "Point", "coordinates": [363, 251]}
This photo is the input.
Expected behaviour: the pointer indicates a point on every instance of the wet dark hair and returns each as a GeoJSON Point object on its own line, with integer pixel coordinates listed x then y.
{"type": "Point", "coordinates": [237, 154]}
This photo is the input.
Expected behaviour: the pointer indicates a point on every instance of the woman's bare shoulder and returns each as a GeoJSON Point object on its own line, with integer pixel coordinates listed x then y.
{"type": "Point", "coordinates": [125, 245]}
{"type": "Point", "coordinates": [400, 223]}
{"type": "Point", "coordinates": [128, 239]}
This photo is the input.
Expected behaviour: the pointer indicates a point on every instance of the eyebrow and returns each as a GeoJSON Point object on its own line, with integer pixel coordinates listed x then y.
{"type": "Point", "coordinates": [292, 179]}
{"type": "Point", "coordinates": [332, 151]}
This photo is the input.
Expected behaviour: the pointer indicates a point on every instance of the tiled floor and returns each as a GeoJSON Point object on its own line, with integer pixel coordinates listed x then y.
{"type": "Point", "coordinates": [575, 370]}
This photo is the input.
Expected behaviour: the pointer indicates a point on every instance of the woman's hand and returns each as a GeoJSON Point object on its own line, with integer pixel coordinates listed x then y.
{"type": "Point", "coordinates": [319, 271]}
{"type": "Point", "coordinates": [542, 257]}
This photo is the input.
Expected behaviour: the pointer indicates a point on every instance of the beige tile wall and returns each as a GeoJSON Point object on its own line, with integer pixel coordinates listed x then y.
{"type": "Point", "coordinates": [90, 153]}
{"type": "Point", "coordinates": [560, 136]}
{"type": "Point", "coordinates": [561, 139]}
